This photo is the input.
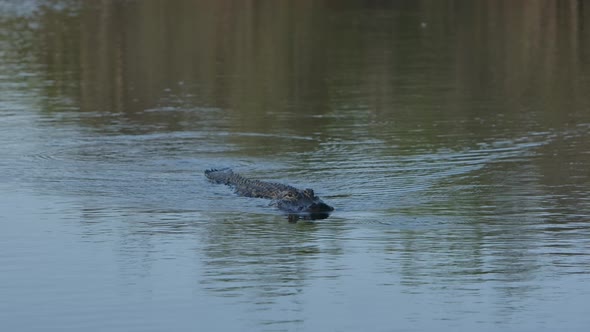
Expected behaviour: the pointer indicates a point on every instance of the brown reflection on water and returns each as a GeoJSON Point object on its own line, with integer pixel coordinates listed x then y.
{"type": "Point", "coordinates": [231, 55]}
{"type": "Point", "coordinates": [263, 61]}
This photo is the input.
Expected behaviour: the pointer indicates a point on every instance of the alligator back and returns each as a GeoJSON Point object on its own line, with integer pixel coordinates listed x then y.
{"type": "Point", "coordinates": [247, 187]}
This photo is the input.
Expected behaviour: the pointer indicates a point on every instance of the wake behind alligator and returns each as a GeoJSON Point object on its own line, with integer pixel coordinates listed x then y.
{"type": "Point", "coordinates": [296, 202]}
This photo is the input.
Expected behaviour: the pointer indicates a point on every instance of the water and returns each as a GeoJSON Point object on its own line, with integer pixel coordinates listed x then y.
{"type": "Point", "coordinates": [451, 137]}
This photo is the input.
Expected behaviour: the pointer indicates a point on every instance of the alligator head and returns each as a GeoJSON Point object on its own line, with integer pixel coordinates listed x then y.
{"type": "Point", "coordinates": [303, 202]}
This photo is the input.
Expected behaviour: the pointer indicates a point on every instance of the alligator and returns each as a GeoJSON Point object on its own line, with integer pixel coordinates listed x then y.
{"type": "Point", "coordinates": [297, 203]}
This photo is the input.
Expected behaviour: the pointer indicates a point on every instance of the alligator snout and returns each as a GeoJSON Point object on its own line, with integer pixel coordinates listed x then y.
{"type": "Point", "coordinates": [320, 207]}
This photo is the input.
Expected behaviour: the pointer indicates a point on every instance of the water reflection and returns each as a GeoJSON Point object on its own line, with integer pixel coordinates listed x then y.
{"type": "Point", "coordinates": [261, 259]}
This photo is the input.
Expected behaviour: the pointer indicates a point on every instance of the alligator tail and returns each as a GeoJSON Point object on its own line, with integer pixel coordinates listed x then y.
{"type": "Point", "coordinates": [223, 176]}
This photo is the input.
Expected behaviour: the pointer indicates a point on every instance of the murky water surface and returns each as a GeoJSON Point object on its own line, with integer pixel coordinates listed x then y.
{"type": "Point", "coordinates": [451, 137]}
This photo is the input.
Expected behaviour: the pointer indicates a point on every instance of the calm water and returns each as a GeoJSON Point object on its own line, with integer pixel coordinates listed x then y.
{"type": "Point", "coordinates": [452, 137]}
